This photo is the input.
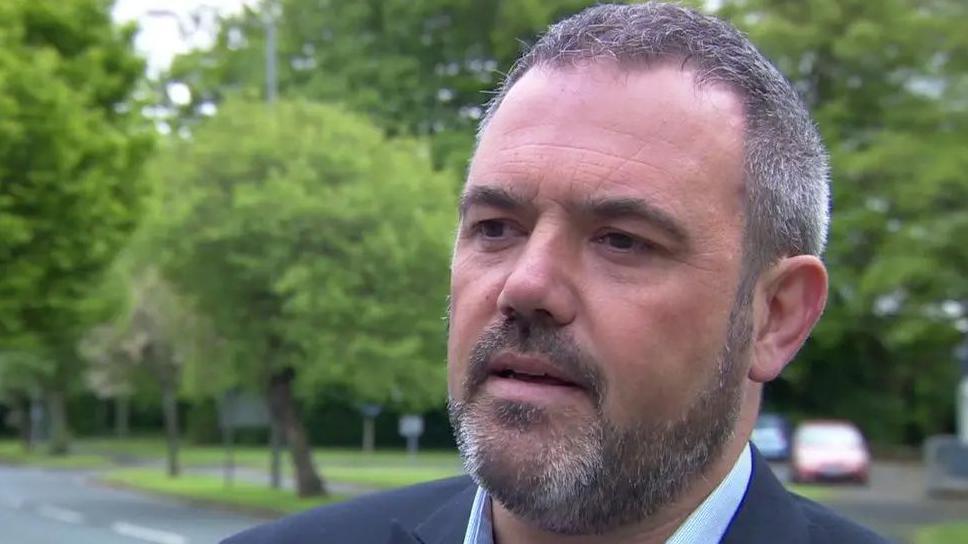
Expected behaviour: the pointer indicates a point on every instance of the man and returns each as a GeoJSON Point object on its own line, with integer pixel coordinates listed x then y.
{"type": "Point", "coordinates": [637, 254]}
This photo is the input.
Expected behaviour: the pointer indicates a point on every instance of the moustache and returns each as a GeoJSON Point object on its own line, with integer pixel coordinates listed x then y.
{"type": "Point", "coordinates": [536, 339]}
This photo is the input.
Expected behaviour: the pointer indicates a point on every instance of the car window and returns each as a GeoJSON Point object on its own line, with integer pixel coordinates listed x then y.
{"type": "Point", "coordinates": [829, 436]}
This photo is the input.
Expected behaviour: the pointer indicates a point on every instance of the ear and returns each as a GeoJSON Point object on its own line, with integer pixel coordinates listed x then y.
{"type": "Point", "coordinates": [788, 300]}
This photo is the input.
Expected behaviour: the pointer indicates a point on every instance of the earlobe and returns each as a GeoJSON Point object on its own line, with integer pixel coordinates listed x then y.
{"type": "Point", "coordinates": [788, 301]}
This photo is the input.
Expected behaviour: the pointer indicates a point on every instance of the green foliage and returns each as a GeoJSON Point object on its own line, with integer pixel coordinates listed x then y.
{"type": "Point", "coordinates": [13, 453]}
{"type": "Point", "coordinates": [152, 338]}
{"type": "Point", "coordinates": [313, 243]}
{"type": "Point", "coordinates": [415, 67]}
{"type": "Point", "coordinates": [309, 241]}
{"type": "Point", "coordinates": [71, 145]}
{"type": "Point", "coordinates": [887, 83]}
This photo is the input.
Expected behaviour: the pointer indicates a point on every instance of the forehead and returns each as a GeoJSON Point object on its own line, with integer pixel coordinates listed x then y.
{"type": "Point", "coordinates": [597, 128]}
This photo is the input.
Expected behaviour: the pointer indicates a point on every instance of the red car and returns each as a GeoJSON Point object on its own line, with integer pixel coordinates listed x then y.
{"type": "Point", "coordinates": [829, 450]}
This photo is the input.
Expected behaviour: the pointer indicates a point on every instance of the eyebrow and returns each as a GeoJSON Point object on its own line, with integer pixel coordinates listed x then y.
{"type": "Point", "coordinates": [636, 209]}
{"type": "Point", "coordinates": [599, 207]}
{"type": "Point", "coordinates": [494, 197]}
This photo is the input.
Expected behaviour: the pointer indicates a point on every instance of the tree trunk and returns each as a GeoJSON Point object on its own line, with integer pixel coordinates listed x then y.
{"type": "Point", "coordinates": [122, 405]}
{"type": "Point", "coordinates": [59, 435]}
{"type": "Point", "coordinates": [170, 409]}
{"type": "Point", "coordinates": [282, 408]}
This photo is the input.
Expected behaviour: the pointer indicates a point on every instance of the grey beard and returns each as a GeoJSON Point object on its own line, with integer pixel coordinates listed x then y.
{"type": "Point", "coordinates": [598, 476]}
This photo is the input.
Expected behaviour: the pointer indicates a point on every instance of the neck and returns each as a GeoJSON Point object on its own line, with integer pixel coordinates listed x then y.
{"type": "Point", "coordinates": [510, 529]}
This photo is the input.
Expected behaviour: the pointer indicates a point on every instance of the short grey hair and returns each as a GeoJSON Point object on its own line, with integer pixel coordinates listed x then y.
{"type": "Point", "coordinates": [786, 165]}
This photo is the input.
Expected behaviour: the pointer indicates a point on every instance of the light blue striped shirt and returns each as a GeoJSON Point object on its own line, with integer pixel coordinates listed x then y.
{"type": "Point", "coordinates": [707, 523]}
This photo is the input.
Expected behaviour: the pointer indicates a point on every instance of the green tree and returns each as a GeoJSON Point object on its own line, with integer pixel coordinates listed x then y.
{"type": "Point", "coordinates": [415, 67]}
{"type": "Point", "coordinates": [155, 336]}
{"type": "Point", "coordinates": [887, 82]}
{"type": "Point", "coordinates": [72, 141]}
{"type": "Point", "coordinates": [318, 248]}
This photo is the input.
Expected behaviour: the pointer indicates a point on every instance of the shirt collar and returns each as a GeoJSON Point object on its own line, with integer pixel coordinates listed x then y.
{"type": "Point", "coordinates": [479, 528]}
{"type": "Point", "coordinates": [707, 523]}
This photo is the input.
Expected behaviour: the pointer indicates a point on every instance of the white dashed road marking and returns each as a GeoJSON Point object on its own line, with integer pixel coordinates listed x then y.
{"type": "Point", "coordinates": [60, 514]}
{"type": "Point", "coordinates": [147, 534]}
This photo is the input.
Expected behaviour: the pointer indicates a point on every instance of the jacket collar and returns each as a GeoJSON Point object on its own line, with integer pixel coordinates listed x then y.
{"type": "Point", "coordinates": [767, 515]}
{"type": "Point", "coordinates": [446, 525]}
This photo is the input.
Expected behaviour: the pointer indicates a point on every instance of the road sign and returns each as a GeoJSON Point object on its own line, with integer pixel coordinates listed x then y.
{"type": "Point", "coordinates": [411, 426]}
{"type": "Point", "coordinates": [238, 409]}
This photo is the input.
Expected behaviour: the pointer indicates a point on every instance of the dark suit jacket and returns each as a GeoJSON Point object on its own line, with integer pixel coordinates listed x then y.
{"type": "Point", "coordinates": [437, 513]}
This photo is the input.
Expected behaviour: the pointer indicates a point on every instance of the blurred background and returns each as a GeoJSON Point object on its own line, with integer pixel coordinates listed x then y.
{"type": "Point", "coordinates": [225, 231]}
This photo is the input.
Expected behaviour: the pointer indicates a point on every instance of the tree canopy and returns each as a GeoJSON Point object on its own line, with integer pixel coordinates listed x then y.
{"type": "Point", "coordinates": [886, 82]}
{"type": "Point", "coordinates": [311, 238]}
{"type": "Point", "coordinates": [887, 85]}
{"type": "Point", "coordinates": [72, 142]}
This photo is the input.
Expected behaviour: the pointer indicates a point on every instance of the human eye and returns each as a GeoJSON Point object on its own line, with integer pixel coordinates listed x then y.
{"type": "Point", "coordinates": [494, 234]}
{"type": "Point", "coordinates": [491, 229]}
{"type": "Point", "coordinates": [622, 242]}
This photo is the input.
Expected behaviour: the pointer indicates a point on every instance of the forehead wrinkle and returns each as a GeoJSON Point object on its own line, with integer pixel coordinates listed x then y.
{"type": "Point", "coordinates": [624, 159]}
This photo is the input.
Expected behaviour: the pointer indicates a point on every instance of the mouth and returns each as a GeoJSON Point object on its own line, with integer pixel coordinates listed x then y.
{"type": "Point", "coordinates": [542, 379]}
{"type": "Point", "coordinates": [531, 379]}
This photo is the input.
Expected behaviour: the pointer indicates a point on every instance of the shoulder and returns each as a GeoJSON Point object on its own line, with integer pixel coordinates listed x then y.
{"type": "Point", "coordinates": [826, 526]}
{"type": "Point", "coordinates": [369, 518]}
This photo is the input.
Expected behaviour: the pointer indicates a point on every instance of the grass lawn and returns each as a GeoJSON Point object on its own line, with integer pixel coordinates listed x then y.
{"type": "Point", "coordinates": [258, 456]}
{"type": "Point", "coordinates": [12, 452]}
{"type": "Point", "coordinates": [382, 469]}
{"type": "Point", "coordinates": [354, 457]}
{"type": "Point", "coordinates": [384, 477]}
{"type": "Point", "coordinates": [211, 489]}
{"type": "Point", "coordinates": [813, 492]}
{"type": "Point", "coordinates": [154, 448]}
{"type": "Point", "coordinates": [947, 533]}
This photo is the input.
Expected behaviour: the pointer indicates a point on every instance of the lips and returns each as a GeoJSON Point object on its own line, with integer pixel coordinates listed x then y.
{"type": "Point", "coordinates": [531, 370]}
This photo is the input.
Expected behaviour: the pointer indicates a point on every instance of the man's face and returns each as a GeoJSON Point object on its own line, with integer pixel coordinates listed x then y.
{"type": "Point", "coordinates": [594, 277]}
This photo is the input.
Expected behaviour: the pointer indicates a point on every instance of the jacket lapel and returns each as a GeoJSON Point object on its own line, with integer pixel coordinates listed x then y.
{"type": "Point", "coordinates": [768, 513]}
{"type": "Point", "coordinates": [447, 525]}
{"type": "Point", "coordinates": [399, 535]}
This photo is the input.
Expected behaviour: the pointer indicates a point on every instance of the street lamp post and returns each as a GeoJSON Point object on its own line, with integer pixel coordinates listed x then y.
{"type": "Point", "coordinates": [269, 19]}
{"type": "Point", "coordinates": [272, 83]}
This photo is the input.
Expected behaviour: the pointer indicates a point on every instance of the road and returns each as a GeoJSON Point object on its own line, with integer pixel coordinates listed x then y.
{"type": "Point", "coordinates": [40, 506]}
{"type": "Point", "coordinates": [894, 503]}
{"type": "Point", "coordinates": [54, 507]}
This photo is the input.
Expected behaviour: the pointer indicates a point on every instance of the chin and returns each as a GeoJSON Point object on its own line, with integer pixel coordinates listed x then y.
{"type": "Point", "coordinates": [515, 445]}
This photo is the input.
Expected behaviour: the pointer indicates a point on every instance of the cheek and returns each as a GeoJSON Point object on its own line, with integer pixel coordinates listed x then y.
{"type": "Point", "coordinates": [659, 350]}
{"type": "Point", "coordinates": [474, 292]}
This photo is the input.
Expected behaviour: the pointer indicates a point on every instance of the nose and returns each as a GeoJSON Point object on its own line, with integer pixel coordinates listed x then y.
{"type": "Point", "coordinates": [539, 285]}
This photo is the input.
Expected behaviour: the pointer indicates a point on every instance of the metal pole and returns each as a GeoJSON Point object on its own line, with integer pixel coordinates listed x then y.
{"type": "Point", "coordinates": [412, 446]}
{"type": "Point", "coordinates": [228, 432]}
{"type": "Point", "coordinates": [275, 461]}
{"type": "Point", "coordinates": [275, 433]}
{"type": "Point", "coordinates": [272, 84]}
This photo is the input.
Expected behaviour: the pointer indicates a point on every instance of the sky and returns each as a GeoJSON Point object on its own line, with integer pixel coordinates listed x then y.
{"type": "Point", "coordinates": [168, 28]}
